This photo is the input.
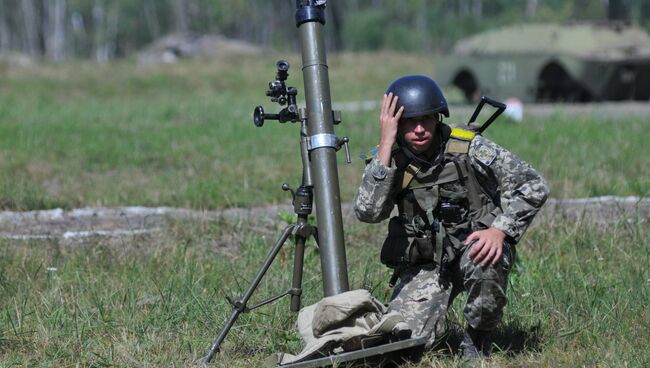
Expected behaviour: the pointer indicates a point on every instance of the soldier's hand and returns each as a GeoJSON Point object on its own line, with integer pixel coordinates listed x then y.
{"type": "Point", "coordinates": [388, 120]}
{"type": "Point", "coordinates": [487, 247]}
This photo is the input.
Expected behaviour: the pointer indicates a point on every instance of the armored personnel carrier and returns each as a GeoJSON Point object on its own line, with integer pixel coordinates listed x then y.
{"type": "Point", "coordinates": [552, 63]}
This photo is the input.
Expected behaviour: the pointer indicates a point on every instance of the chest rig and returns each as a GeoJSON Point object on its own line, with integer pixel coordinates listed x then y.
{"type": "Point", "coordinates": [439, 202]}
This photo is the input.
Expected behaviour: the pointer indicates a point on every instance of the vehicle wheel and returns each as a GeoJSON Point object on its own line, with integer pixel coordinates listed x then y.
{"type": "Point", "coordinates": [468, 84]}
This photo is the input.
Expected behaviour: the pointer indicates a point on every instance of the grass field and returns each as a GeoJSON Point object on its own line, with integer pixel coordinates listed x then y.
{"type": "Point", "coordinates": [181, 135]}
{"type": "Point", "coordinates": [578, 297]}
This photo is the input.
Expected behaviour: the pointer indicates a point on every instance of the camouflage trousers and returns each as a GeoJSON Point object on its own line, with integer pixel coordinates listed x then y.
{"type": "Point", "coordinates": [423, 296]}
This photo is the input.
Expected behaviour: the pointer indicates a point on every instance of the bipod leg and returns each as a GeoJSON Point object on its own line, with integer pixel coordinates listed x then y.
{"type": "Point", "coordinates": [240, 306]}
{"type": "Point", "coordinates": [304, 231]}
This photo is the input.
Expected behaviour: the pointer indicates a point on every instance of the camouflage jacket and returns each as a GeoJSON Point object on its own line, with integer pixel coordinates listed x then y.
{"type": "Point", "coordinates": [522, 189]}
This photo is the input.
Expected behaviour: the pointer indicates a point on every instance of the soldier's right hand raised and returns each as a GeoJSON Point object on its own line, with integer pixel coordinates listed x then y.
{"type": "Point", "coordinates": [388, 121]}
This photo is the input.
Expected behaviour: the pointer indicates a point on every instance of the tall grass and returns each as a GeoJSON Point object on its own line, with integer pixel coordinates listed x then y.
{"type": "Point", "coordinates": [578, 297]}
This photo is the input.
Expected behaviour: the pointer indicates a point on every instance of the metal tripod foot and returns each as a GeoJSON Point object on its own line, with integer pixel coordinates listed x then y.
{"type": "Point", "coordinates": [371, 352]}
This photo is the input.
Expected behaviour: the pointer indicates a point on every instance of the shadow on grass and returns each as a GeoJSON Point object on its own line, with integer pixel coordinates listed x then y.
{"type": "Point", "coordinates": [511, 339]}
{"type": "Point", "coordinates": [514, 338]}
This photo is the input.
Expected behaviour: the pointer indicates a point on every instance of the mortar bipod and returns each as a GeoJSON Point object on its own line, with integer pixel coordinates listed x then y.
{"type": "Point", "coordinates": [303, 198]}
{"type": "Point", "coordinates": [302, 230]}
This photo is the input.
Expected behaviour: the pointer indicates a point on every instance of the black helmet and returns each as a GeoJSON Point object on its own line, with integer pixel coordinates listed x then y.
{"type": "Point", "coordinates": [420, 95]}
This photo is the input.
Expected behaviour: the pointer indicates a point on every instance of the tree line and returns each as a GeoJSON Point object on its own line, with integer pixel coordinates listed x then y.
{"type": "Point", "coordinates": [106, 29]}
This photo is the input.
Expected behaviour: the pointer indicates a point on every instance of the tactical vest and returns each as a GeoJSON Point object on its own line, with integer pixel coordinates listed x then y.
{"type": "Point", "coordinates": [439, 205]}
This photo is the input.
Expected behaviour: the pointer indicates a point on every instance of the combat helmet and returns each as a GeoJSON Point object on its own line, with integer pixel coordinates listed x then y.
{"type": "Point", "coordinates": [420, 95]}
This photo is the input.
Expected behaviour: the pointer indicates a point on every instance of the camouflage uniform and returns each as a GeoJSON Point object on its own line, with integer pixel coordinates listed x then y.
{"type": "Point", "coordinates": [423, 293]}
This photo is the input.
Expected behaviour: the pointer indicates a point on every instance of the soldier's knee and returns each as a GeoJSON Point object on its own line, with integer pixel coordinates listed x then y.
{"type": "Point", "coordinates": [484, 313]}
{"type": "Point", "coordinates": [498, 271]}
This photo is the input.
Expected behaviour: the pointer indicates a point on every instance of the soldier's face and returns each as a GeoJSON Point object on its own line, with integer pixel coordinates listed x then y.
{"type": "Point", "coordinates": [418, 132]}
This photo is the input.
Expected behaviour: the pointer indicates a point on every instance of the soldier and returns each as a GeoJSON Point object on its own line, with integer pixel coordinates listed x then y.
{"type": "Point", "coordinates": [463, 204]}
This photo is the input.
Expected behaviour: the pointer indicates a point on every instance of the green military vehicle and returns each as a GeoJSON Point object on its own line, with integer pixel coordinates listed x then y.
{"type": "Point", "coordinates": [551, 63]}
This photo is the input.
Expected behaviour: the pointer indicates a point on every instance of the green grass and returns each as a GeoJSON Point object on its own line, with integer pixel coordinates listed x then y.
{"type": "Point", "coordinates": [578, 297]}
{"type": "Point", "coordinates": [181, 135]}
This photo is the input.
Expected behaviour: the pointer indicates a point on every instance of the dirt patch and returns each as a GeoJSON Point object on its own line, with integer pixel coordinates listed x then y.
{"type": "Point", "coordinates": [77, 225]}
{"type": "Point", "coordinates": [603, 211]}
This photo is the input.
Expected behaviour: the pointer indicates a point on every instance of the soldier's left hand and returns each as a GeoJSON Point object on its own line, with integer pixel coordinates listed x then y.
{"type": "Point", "coordinates": [487, 247]}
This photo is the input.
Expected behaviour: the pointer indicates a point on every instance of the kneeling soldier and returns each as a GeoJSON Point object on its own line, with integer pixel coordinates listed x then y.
{"type": "Point", "coordinates": [463, 204]}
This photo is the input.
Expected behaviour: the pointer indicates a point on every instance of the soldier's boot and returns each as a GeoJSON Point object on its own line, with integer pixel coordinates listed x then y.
{"type": "Point", "coordinates": [476, 343]}
{"type": "Point", "coordinates": [402, 331]}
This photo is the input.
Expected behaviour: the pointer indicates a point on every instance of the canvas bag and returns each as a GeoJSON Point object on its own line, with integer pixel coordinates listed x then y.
{"type": "Point", "coordinates": [327, 325]}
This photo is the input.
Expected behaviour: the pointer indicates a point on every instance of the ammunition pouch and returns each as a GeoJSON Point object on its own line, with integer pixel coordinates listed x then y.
{"type": "Point", "coordinates": [401, 249]}
{"type": "Point", "coordinates": [423, 250]}
{"type": "Point", "coordinates": [396, 245]}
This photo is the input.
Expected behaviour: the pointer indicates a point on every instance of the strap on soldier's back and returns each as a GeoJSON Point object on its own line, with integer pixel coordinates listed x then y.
{"type": "Point", "coordinates": [409, 174]}
{"type": "Point", "coordinates": [440, 239]}
{"type": "Point", "coordinates": [437, 229]}
{"type": "Point", "coordinates": [395, 276]}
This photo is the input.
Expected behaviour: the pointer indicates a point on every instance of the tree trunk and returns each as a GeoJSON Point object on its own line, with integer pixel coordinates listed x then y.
{"type": "Point", "coordinates": [30, 21]}
{"type": "Point", "coordinates": [337, 11]}
{"type": "Point", "coordinates": [106, 30]}
{"type": "Point", "coordinates": [54, 26]}
{"type": "Point", "coordinates": [531, 8]}
{"type": "Point", "coordinates": [617, 10]}
{"type": "Point", "coordinates": [422, 25]}
{"type": "Point", "coordinates": [464, 8]}
{"type": "Point", "coordinates": [5, 37]}
{"type": "Point", "coordinates": [112, 29]}
{"type": "Point", "coordinates": [99, 27]}
{"type": "Point", "coordinates": [180, 15]}
{"type": "Point", "coordinates": [151, 18]}
{"type": "Point", "coordinates": [477, 9]}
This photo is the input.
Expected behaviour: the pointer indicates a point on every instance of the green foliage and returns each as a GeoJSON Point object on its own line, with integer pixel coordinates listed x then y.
{"type": "Point", "coordinates": [401, 38]}
{"type": "Point", "coordinates": [364, 30]}
{"type": "Point", "coordinates": [123, 27]}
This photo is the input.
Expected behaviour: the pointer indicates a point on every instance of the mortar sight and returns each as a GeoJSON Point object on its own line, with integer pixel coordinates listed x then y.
{"type": "Point", "coordinates": [283, 70]}
{"type": "Point", "coordinates": [277, 89]}
{"type": "Point", "coordinates": [283, 95]}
